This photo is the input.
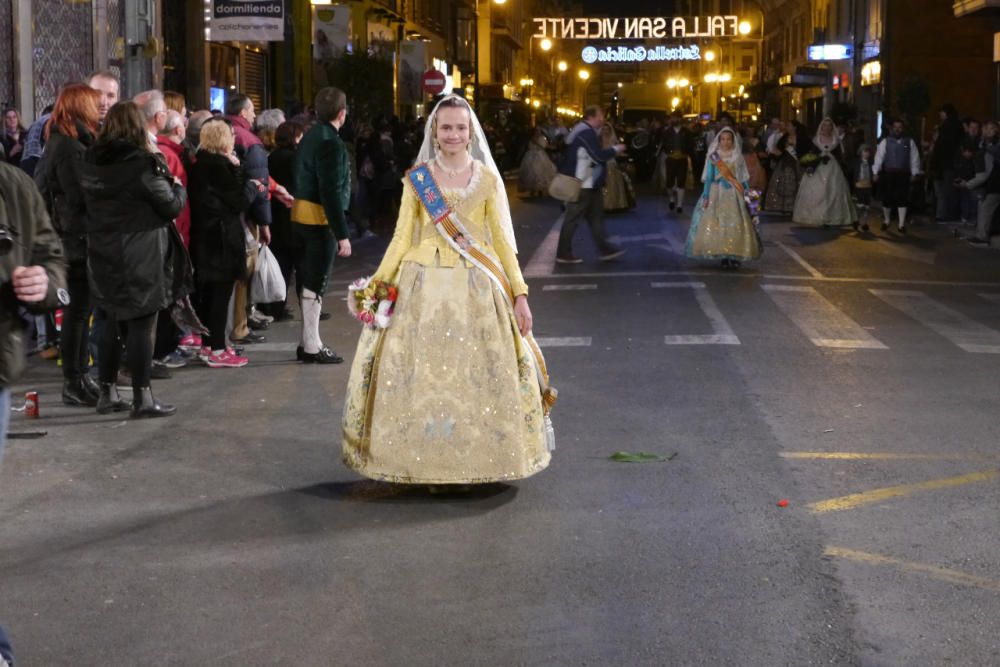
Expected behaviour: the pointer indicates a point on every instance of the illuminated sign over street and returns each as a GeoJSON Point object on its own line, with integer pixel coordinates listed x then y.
{"type": "Point", "coordinates": [659, 27]}
{"type": "Point", "coordinates": [638, 54]}
{"type": "Point", "coordinates": [830, 51]}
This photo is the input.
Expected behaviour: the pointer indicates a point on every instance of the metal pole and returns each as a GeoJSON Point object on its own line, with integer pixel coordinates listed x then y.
{"type": "Point", "coordinates": [475, 87]}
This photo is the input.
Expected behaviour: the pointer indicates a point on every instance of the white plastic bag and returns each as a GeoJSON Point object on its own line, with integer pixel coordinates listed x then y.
{"type": "Point", "coordinates": [268, 285]}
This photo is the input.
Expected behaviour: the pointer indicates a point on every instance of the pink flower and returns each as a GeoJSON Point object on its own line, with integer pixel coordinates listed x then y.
{"type": "Point", "coordinates": [366, 317]}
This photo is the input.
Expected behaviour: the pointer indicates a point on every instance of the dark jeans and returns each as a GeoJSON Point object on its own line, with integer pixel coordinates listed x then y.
{"type": "Point", "coordinates": [590, 205]}
{"type": "Point", "coordinates": [73, 340]}
{"type": "Point", "coordinates": [139, 333]}
{"type": "Point", "coordinates": [213, 310]}
{"type": "Point", "coordinates": [317, 248]}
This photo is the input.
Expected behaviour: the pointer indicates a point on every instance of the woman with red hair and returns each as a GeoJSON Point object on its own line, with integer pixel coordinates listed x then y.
{"type": "Point", "coordinates": [71, 129]}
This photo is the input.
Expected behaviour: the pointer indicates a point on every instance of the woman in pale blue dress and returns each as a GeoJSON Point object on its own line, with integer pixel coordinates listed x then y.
{"type": "Point", "coordinates": [721, 227]}
{"type": "Point", "coordinates": [824, 196]}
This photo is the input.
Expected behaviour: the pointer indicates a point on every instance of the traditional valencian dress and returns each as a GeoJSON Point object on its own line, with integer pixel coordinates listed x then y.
{"type": "Point", "coordinates": [537, 168]}
{"type": "Point", "coordinates": [449, 393]}
{"type": "Point", "coordinates": [723, 229]}
{"type": "Point", "coordinates": [824, 195]}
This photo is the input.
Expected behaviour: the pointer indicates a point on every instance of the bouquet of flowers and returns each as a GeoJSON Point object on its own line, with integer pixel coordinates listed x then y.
{"type": "Point", "coordinates": [752, 198]}
{"type": "Point", "coordinates": [372, 302]}
{"type": "Point", "coordinates": [810, 161]}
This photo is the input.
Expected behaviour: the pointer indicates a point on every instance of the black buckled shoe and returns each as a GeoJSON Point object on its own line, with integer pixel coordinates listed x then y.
{"type": "Point", "coordinates": [110, 400]}
{"type": "Point", "coordinates": [249, 339]}
{"type": "Point", "coordinates": [76, 394]}
{"type": "Point", "coordinates": [144, 405]}
{"type": "Point", "coordinates": [324, 356]}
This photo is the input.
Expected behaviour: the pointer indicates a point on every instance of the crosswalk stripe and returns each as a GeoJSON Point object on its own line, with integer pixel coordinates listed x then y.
{"type": "Point", "coordinates": [963, 331]}
{"type": "Point", "coordinates": [722, 333]}
{"type": "Point", "coordinates": [543, 262]}
{"type": "Point", "coordinates": [799, 260]}
{"type": "Point", "coordinates": [569, 341]}
{"type": "Point", "coordinates": [567, 288]}
{"type": "Point", "coordinates": [822, 322]}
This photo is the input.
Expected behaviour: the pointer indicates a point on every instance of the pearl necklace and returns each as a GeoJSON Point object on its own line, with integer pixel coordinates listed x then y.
{"type": "Point", "coordinates": [451, 172]}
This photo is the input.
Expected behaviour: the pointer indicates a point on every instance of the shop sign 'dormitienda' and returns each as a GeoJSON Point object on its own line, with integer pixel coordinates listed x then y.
{"type": "Point", "coordinates": [247, 20]}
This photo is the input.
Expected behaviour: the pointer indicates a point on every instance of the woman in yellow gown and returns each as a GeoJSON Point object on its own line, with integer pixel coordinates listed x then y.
{"type": "Point", "coordinates": [450, 392]}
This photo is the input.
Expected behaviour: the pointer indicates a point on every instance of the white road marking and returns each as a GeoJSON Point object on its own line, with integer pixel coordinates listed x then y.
{"type": "Point", "coordinates": [963, 331]}
{"type": "Point", "coordinates": [798, 258]}
{"type": "Point", "coordinates": [722, 333]}
{"type": "Point", "coordinates": [822, 322]}
{"type": "Point", "coordinates": [583, 341]}
{"type": "Point", "coordinates": [568, 288]}
{"type": "Point", "coordinates": [740, 275]}
{"type": "Point", "coordinates": [993, 298]}
{"type": "Point", "coordinates": [543, 262]}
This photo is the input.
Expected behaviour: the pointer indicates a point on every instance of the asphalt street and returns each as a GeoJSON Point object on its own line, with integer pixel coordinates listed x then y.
{"type": "Point", "coordinates": [853, 375]}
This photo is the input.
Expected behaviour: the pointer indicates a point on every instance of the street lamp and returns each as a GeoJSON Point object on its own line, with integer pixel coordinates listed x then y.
{"type": "Point", "coordinates": [744, 28]}
{"type": "Point", "coordinates": [585, 77]}
{"type": "Point", "coordinates": [545, 44]}
{"type": "Point", "coordinates": [709, 56]}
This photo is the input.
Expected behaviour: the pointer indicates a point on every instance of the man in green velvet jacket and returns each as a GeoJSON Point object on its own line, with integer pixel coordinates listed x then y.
{"type": "Point", "coordinates": [322, 193]}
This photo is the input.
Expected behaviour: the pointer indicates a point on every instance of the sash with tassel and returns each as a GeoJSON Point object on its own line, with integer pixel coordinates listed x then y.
{"type": "Point", "coordinates": [454, 232]}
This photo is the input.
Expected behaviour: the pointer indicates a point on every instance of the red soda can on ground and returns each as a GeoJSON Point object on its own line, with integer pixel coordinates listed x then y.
{"type": "Point", "coordinates": [31, 405]}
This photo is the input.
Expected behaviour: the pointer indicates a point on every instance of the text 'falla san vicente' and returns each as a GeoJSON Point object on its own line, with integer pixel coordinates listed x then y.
{"type": "Point", "coordinates": [658, 27]}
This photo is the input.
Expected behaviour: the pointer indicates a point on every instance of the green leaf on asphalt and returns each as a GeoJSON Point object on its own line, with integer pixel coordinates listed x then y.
{"type": "Point", "coordinates": [638, 457]}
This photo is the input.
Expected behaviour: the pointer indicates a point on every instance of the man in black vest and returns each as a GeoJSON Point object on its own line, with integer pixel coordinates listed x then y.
{"type": "Point", "coordinates": [897, 164]}
{"type": "Point", "coordinates": [677, 144]}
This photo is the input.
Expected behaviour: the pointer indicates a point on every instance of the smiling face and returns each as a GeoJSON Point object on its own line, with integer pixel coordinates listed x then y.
{"type": "Point", "coordinates": [453, 129]}
{"type": "Point", "coordinates": [108, 88]}
{"type": "Point", "coordinates": [726, 141]}
{"type": "Point", "coordinates": [826, 128]}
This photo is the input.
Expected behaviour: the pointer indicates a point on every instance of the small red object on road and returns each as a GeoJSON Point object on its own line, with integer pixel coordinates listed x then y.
{"type": "Point", "coordinates": [31, 405]}
{"type": "Point", "coordinates": [783, 502]}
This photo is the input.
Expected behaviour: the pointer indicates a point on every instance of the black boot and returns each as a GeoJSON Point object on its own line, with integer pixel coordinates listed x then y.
{"type": "Point", "coordinates": [144, 405]}
{"type": "Point", "coordinates": [75, 393]}
{"type": "Point", "coordinates": [90, 384]}
{"type": "Point", "coordinates": [110, 401]}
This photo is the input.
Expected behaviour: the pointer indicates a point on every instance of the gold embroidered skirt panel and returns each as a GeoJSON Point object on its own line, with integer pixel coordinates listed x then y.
{"type": "Point", "coordinates": [447, 394]}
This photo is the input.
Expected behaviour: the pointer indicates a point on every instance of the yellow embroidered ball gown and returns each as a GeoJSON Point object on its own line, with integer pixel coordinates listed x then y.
{"type": "Point", "coordinates": [448, 393]}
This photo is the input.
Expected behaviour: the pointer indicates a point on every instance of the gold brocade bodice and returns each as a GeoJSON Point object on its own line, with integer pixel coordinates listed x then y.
{"type": "Point", "coordinates": [417, 240]}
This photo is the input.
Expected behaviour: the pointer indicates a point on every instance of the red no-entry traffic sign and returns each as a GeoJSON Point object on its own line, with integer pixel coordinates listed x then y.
{"type": "Point", "coordinates": [433, 81]}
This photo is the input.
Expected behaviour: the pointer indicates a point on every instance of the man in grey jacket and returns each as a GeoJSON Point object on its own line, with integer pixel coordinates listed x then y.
{"type": "Point", "coordinates": [584, 159]}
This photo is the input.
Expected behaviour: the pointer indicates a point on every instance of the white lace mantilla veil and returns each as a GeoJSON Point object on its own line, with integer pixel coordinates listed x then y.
{"type": "Point", "coordinates": [480, 150]}
{"type": "Point", "coordinates": [735, 160]}
{"type": "Point", "coordinates": [818, 138]}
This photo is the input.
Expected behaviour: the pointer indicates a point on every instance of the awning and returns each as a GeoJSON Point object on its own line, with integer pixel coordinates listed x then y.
{"type": "Point", "coordinates": [968, 7]}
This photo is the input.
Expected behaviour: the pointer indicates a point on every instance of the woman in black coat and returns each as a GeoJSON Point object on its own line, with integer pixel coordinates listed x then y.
{"type": "Point", "coordinates": [281, 166]}
{"type": "Point", "coordinates": [137, 261]}
{"type": "Point", "coordinates": [70, 131]}
{"type": "Point", "coordinates": [220, 195]}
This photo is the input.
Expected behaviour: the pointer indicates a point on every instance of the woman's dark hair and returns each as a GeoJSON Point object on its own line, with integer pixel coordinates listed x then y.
{"type": "Point", "coordinates": [950, 111]}
{"type": "Point", "coordinates": [125, 122]}
{"type": "Point", "coordinates": [287, 133]}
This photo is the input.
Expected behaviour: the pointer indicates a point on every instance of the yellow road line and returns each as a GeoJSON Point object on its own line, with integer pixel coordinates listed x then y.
{"type": "Point", "coordinates": [862, 456]}
{"type": "Point", "coordinates": [935, 571]}
{"type": "Point", "coordinates": [876, 495]}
